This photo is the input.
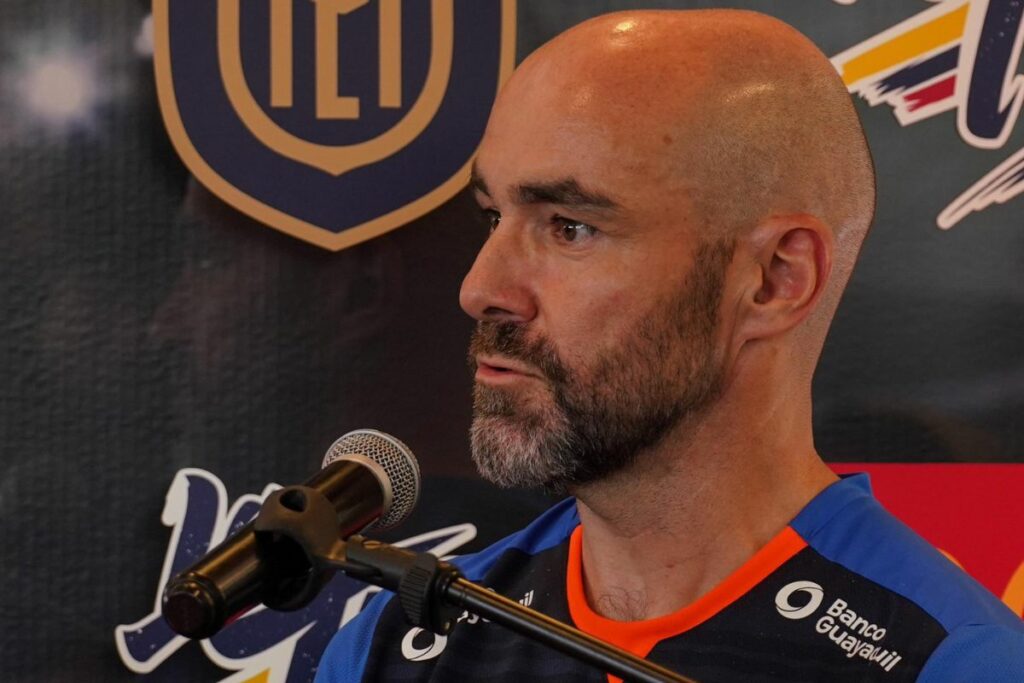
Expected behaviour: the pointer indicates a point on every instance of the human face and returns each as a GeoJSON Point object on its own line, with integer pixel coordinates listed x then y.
{"type": "Point", "coordinates": [591, 422]}
{"type": "Point", "coordinates": [598, 309]}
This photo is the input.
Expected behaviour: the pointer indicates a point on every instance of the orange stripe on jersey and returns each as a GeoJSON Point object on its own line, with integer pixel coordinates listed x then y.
{"type": "Point", "coordinates": [640, 637]}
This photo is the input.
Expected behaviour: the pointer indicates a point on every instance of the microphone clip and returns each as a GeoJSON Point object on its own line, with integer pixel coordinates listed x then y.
{"type": "Point", "coordinates": [299, 546]}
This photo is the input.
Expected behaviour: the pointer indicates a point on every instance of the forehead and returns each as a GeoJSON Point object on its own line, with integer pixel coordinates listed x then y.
{"type": "Point", "coordinates": [545, 138]}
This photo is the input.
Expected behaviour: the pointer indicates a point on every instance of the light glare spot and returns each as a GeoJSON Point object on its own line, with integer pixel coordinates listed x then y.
{"type": "Point", "coordinates": [144, 38]}
{"type": "Point", "coordinates": [60, 90]}
{"type": "Point", "coordinates": [59, 87]}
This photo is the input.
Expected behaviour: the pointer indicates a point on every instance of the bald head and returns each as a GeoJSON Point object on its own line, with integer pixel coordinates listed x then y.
{"type": "Point", "coordinates": [733, 111]}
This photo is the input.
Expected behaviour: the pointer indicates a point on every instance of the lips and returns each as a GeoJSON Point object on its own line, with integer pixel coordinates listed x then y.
{"type": "Point", "coordinates": [497, 368]}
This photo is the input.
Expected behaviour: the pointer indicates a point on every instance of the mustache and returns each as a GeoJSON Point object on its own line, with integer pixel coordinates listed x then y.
{"type": "Point", "coordinates": [511, 340]}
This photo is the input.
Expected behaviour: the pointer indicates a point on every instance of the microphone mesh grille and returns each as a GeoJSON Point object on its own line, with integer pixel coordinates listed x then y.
{"type": "Point", "coordinates": [395, 459]}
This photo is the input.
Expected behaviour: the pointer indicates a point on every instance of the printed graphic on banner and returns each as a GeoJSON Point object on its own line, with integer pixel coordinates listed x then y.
{"type": "Point", "coordinates": [263, 646]}
{"type": "Point", "coordinates": [962, 56]}
{"type": "Point", "coordinates": [332, 120]}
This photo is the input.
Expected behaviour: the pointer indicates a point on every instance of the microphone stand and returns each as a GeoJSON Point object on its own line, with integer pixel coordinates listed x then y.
{"type": "Point", "coordinates": [432, 593]}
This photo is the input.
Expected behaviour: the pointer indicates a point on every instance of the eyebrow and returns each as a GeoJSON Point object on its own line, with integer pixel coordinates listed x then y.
{"type": "Point", "coordinates": [565, 192]}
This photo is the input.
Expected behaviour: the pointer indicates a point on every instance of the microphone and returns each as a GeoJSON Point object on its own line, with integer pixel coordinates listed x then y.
{"type": "Point", "coordinates": [371, 479]}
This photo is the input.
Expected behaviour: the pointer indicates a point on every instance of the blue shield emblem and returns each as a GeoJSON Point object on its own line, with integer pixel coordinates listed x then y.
{"type": "Point", "coordinates": [332, 120]}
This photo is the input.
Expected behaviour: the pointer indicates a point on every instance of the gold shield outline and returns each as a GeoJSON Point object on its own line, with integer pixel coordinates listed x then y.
{"type": "Point", "coordinates": [336, 159]}
{"type": "Point", "coordinates": [276, 218]}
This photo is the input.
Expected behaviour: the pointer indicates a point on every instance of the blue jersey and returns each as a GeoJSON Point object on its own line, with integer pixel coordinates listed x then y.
{"type": "Point", "coordinates": [844, 593]}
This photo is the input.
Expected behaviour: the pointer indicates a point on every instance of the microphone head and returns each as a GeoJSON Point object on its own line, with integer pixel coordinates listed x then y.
{"type": "Point", "coordinates": [401, 472]}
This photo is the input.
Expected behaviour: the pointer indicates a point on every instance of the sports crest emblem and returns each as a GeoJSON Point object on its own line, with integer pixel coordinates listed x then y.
{"type": "Point", "coordinates": [332, 120]}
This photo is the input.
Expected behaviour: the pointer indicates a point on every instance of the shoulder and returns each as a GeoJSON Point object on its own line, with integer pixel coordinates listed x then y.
{"type": "Point", "coordinates": [346, 656]}
{"type": "Point", "coordinates": [848, 527]}
{"type": "Point", "coordinates": [977, 652]}
{"type": "Point", "coordinates": [344, 660]}
{"type": "Point", "coordinates": [547, 531]}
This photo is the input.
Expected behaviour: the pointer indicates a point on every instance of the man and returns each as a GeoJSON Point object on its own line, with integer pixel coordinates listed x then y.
{"type": "Point", "coordinates": [676, 201]}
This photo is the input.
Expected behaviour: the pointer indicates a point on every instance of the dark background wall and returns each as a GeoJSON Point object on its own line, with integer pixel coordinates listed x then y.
{"type": "Point", "coordinates": [148, 327]}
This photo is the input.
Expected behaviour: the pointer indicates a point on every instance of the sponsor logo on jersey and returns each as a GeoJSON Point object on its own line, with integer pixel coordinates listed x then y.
{"type": "Point", "coordinates": [783, 600]}
{"type": "Point", "coordinates": [957, 56]}
{"type": "Point", "coordinates": [431, 649]}
{"type": "Point", "coordinates": [420, 645]}
{"type": "Point", "coordinates": [332, 120]}
{"type": "Point", "coordinates": [263, 646]}
{"type": "Point", "coordinates": [851, 632]}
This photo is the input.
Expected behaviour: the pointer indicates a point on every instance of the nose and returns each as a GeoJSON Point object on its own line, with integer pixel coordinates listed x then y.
{"type": "Point", "coordinates": [498, 288]}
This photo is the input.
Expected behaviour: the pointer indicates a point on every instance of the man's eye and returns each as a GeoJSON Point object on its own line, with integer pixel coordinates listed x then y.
{"type": "Point", "coordinates": [491, 217]}
{"type": "Point", "coordinates": [568, 230]}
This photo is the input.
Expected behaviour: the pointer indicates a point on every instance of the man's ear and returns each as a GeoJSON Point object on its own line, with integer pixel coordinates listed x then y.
{"type": "Point", "coordinates": [791, 262]}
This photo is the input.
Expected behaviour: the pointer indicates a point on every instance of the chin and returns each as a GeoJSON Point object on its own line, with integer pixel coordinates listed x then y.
{"type": "Point", "coordinates": [512, 455]}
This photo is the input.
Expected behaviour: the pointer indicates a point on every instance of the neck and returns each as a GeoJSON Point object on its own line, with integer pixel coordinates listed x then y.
{"type": "Point", "coordinates": [694, 509]}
